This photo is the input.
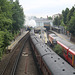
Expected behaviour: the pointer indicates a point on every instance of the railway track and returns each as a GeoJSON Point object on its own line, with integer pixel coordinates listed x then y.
{"type": "Point", "coordinates": [12, 63]}
{"type": "Point", "coordinates": [26, 65]}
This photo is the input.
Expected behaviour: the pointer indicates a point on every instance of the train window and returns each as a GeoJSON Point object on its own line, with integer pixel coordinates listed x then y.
{"type": "Point", "coordinates": [70, 55]}
{"type": "Point", "coordinates": [65, 51]}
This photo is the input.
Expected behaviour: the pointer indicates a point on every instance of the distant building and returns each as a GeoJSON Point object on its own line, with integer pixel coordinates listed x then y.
{"type": "Point", "coordinates": [44, 22]}
{"type": "Point", "coordinates": [56, 15]}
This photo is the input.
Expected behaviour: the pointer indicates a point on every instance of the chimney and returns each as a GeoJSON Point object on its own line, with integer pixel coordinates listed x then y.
{"type": "Point", "coordinates": [47, 16]}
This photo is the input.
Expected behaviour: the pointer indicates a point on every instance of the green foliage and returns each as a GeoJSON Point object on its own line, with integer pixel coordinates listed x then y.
{"type": "Point", "coordinates": [71, 26]}
{"type": "Point", "coordinates": [11, 20]}
{"type": "Point", "coordinates": [62, 24]}
{"type": "Point", "coordinates": [5, 15]}
{"type": "Point", "coordinates": [18, 17]}
{"type": "Point", "coordinates": [70, 14]}
{"type": "Point", "coordinates": [68, 20]}
{"type": "Point", "coordinates": [50, 18]}
{"type": "Point", "coordinates": [5, 24]}
{"type": "Point", "coordinates": [65, 13]}
{"type": "Point", "coordinates": [5, 38]}
{"type": "Point", "coordinates": [1, 43]}
{"type": "Point", "coordinates": [57, 20]}
{"type": "Point", "coordinates": [58, 49]}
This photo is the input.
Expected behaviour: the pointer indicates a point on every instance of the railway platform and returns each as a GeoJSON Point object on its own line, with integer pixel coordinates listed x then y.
{"type": "Point", "coordinates": [63, 36]}
{"type": "Point", "coordinates": [14, 42]}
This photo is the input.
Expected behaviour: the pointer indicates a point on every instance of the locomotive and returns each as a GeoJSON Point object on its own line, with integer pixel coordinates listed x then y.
{"type": "Point", "coordinates": [47, 60]}
{"type": "Point", "coordinates": [68, 49]}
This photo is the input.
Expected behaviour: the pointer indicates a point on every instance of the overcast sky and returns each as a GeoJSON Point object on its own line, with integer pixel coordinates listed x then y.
{"type": "Point", "coordinates": [42, 8]}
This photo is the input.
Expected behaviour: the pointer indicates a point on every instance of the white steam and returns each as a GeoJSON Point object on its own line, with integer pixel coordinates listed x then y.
{"type": "Point", "coordinates": [30, 23]}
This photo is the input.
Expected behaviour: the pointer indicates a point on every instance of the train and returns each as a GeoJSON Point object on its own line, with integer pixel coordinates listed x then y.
{"type": "Point", "coordinates": [48, 61]}
{"type": "Point", "coordinates": [68, 49]}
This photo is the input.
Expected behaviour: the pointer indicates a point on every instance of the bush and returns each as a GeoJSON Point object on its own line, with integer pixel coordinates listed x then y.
{"type": "Point", "coordinates": [58, 49]}
{"type": "Point", "coordinates": [1, 43]}
{"type": "Point", "coordinates": [5, 38]}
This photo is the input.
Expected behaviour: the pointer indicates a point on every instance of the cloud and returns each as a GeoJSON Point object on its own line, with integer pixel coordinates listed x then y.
{"type": "Point", "coordinates": [45, 7]}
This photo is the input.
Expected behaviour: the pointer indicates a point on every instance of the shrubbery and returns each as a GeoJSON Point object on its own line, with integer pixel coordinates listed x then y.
{"type": "Point", "coordinates": [58, 49]}
{"type": "Point", "coordinates": [11, 20]}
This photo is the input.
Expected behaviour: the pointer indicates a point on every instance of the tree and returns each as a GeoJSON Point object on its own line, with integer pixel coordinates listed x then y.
{"type": "Point", "coordinates": [70, 14]}
{"type": "Point", "coordinates": [18, 17]}
{"type": "Point", "coordinates": [64, 14]}
{"type": "Point", "coordinates": [57, 20]}
{"type": "Point", "coordinates": [11, 19]}
{"type": "Point", "coordinates": [1, 43]}
{"type": "Point", "coordinates": [71, 26]}
{"type": "Point", "coordinates": [7, 38]}
{"type": "Point", "coordinates": [50, 18]}
{"type": "Point", "coordinates": [5, 15]}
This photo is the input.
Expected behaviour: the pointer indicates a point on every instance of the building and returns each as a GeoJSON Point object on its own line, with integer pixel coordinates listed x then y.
{"type": "Point", "coordinates": [44, 22]}
{"type": "Point", "coordinates": [56, 15]}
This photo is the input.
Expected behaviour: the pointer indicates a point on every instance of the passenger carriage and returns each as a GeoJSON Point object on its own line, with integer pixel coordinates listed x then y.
{"type": "Point", "coordinates": [68, 49]}
{"type": "Point", "coordinates": [48, 61]}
